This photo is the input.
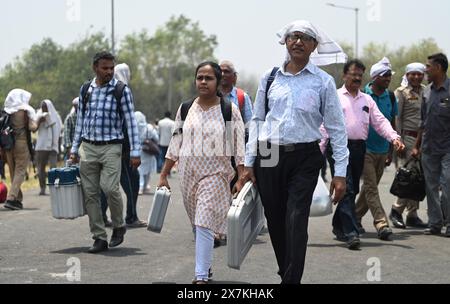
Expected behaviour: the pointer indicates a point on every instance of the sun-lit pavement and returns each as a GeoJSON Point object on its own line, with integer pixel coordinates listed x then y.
{"type": "Point", "coordinates": [35, 248]}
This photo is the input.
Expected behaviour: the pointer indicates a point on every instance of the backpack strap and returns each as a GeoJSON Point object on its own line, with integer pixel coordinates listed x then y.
{"type": "Point", "coordinates": [270, 80]}
{"type": "Point", "coordinates": [85, 95]}
{"type": "Point", "coordinates": [118, 94]}
{"type": "Point", "coordinates": [227, 112]}
{"type": "Point", "coordinates": [241, 99]}
{"type": "Point", "coordinates": [185, 107]}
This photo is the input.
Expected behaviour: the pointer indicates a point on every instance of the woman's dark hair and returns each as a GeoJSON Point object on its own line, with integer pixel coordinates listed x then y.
{"type": "Point", "coordinates": [217, 73]}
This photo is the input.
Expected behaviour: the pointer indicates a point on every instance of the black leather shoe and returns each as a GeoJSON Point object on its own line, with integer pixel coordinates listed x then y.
{"type": "Point", "coordinates": [432, 231]}
{"type": "Point", "coordinates": [117, 236]}
{"type": "Point", "coordinates": [415, 222]}
{"type": "Point", "coordinates": [397, 219]}
{"type": "Point", "coordinates": [99, 246]}
{"type": "Point", "coordinates": [353, 243]}
{"type": "Point", "coordinates": [447, 232]}
{"type": "Point", "coordinates": [14, 205]}
{"type": "Point", "coordinates": [384, 233]}
{"type": "Point", "coordinates": [361, 229]}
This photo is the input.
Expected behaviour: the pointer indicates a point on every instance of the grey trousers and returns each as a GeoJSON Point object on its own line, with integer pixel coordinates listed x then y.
{"type": "Point", "coordinates": [436, 169]}
{"type": "Point", "coordinates": [100, 169]}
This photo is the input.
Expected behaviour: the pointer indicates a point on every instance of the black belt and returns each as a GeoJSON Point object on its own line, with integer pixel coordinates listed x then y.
{"type": "Point", "coordinates": [103, 143]}
{"type": "Point", "coordinates": [291, 147]}
{"type": "Point", "coordinates": [410, 133]}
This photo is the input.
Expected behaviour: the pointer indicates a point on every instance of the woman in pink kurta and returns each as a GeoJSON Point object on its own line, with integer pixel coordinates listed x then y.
{"type": "Point", "coordinates": [204, 157]}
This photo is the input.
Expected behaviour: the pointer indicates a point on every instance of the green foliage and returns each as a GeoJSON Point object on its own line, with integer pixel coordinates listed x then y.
{"type": "Point", "coordinates": [162, 67]}
{"type": "Point", "coordinates": [49, 71]}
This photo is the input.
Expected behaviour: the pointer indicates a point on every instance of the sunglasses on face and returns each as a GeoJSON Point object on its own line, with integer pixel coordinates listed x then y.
{"type": "Point", "coordinates": [296, 37]}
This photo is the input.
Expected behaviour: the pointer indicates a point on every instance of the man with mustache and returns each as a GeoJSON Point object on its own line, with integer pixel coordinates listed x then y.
{"type": "Point", "coordinates": [97, 145]}
{"type": "Point", "coordinates": [360, 112]}
{"type": "Point", "coordinates": [379, 152]}
{"type": "Point", "coordinates": [410, 98]}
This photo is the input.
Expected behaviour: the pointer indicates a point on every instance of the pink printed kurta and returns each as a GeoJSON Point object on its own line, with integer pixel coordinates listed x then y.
{"type": "Point", "coordinates": [205, 164]}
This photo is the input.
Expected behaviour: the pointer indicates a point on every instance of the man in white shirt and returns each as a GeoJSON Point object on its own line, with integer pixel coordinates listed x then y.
{"type": "Point", "coordinates": [165, 129]}
{"type": "Point", "coordinates": [285, 130]}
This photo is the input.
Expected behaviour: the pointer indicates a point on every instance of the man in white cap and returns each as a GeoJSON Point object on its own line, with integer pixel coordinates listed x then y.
{"type": "Point", "coordinates": [410, 98]}
{"type": "Point", "coordinates": [283, 157]}
{"type": "Point", "coordinates": [379, 152]}
{"type": "Point", "coordinates": [69, 126]}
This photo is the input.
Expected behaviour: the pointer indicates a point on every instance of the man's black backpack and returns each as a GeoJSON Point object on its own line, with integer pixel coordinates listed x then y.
{"type": "Point", "coordinates": [118, 94]}
{"type": "Point", "coordinates": [6, 132]}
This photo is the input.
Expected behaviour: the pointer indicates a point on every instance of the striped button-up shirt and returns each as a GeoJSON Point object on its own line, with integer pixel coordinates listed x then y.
{"type": "Point", "coordinates": [101, 120]}
{"type": "Point", "coordinates": [69, 129]}
{"type": "Point", "coordinates": [299, 104]}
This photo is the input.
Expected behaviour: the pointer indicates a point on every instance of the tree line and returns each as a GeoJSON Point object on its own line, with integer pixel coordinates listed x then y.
{"type": "Point", "coordinates": [162, 65]}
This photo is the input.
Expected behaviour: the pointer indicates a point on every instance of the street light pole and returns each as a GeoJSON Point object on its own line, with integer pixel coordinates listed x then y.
{"type": "Point", "coordinates": [112, 28]}
{"type": "Point", "coordinates": [356, 9]}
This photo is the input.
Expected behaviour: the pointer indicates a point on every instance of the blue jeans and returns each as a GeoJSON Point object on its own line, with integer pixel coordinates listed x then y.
{"type": "Point", "coordinates": [345, 223]}
{"type": "Point", "coordinates": [436, 169]}
{"type": "Point", "coordinates": [129, 180]}
{"type": "Point", "coordinates": [161, 157]}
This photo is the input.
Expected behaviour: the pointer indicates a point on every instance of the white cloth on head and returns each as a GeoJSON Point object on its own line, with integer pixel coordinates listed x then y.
{"type": "Point", "coordinates": [380, 68]}
{"type": "Point", "coordinates": [49, 131]}
{"type": "Point", "coordinates": [415, 67]}
{"type": "Point", "coordinates": [75, 103]}
{"type": "Point", "coordinates": [327, 52]}
{"type": "Point", "coordinates": [18, 100]}
{"type": "Point", "coordinates": [122, 72]}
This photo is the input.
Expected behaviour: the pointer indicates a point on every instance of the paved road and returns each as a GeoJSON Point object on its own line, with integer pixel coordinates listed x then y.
{"type": "Point", "coordinates": [35, 248]}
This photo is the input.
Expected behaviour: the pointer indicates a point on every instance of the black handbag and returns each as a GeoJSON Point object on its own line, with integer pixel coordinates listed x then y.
{"type": "Point", "coordinates": [409, 181]}
{"type": "Point", "coordinates": [150, 147]}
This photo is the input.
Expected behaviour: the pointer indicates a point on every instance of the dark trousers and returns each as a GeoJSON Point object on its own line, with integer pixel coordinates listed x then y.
{"type": "Point", "coordinates": [286, 193]}
{"type": "Point", "coordinates": [161, 157]}
{"type": "Point", "coordinates": [129, 180]}
{"type": "Point", "coordinates": [345, 223]}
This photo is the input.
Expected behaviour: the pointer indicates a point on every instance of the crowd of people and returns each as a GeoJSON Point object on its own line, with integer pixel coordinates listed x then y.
{"type": "Point", "coordinates": [221, 140]}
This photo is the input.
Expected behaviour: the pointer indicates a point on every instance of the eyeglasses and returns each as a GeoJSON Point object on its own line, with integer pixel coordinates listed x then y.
{"type": "Point", "coordinates": [302, 38]}
{"type": "Point", "coordinates": [205, 78]}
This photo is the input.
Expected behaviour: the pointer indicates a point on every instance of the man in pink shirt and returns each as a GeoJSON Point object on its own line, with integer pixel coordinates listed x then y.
{"type": "Point", "coordinates": [360, 111]}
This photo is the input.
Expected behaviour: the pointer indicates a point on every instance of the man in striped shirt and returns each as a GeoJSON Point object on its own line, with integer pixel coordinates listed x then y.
{"type": "Point", "coordinates": [98, 146]}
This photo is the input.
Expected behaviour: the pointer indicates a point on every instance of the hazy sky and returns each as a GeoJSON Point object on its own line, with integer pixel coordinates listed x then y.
{"type": "Point", "coordinates": [246, 29]}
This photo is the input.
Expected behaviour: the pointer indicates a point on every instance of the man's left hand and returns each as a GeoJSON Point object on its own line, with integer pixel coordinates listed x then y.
{"type": "Point", "coordinates": [338, 188]}
{"type": "Point", "coordinates": [135, 162]}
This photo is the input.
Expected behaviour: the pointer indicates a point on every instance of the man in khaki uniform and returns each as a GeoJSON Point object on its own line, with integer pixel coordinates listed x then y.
{"type": "Point", "coordinates": [22, 120]}
{"type": "Point", "coordinates": [410, 98]}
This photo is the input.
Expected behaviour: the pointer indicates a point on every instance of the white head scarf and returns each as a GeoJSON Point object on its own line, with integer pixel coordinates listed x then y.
{"type": "Point", "coordinates": [411, 68]}
{"type": "Point", "coordinates": [327, 51]}
{"type": "Point", "coordinates": [142, 125]}
{"type": "Point", "coordinates": [122, 72]}
{"type": "Point", "coordinates": [380, 68]}
{"type": "Point", "coordinates": [53, 120]}
{"type": "Point", "coordinates": [17, 100]}
{"type": "Point", "coordinates": [75, 103]}
{"type": "Point", "coordinates": [53, 117]}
